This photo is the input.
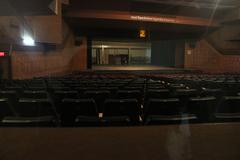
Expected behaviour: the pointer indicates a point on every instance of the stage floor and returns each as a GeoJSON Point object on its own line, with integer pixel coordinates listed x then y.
{"type": "Point", "coordinates": [137, 69]}
{"type": "Point", "coordinates": [134, 68]}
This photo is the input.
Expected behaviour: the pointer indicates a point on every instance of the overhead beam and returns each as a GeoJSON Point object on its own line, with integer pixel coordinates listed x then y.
{"type": "Point", "coordinates": [66, 2]}
{"type": "Point", "coordinates": [141, 17]}
{"type": "Point", "coordinates": [232, 16]}
{"type": "Point", "coordinates": [196, 4]}
{"type": "Point", "coordinates": [25, 7]}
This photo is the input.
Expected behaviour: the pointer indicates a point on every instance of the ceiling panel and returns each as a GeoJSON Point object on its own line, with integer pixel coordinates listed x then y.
{"type": "Point", "coordinates": [25, 7]}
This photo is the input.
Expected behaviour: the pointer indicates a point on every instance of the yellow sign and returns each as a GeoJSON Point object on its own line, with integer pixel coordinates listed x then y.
{"type": "Point", "coordinates": [142, 33]}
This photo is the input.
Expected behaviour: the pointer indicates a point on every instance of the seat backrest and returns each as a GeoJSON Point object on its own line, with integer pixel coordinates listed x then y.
{"type": "Point", "coordinates": [5, 108]}
{"type": "Point", "coordinates": [37, 88]}
{"type": "Point", "coordinates": [75, 107]}
{"type": "Point", "coordinates": [177, 86]}
{"type": "Point", "coordinates": [133, 88]}
{"type": "Point", "coordinates": [229, 104]}
{"type": "Point", "coordinates": [158, 93]}
{"type": "Point", "coordinates": [36, 107]}
{"type": "Point", "coordinates": [163, 106]}
{"type": "Point", "coordinates": [204, 107]}
{"type": "Point", "coordinates": [60, 95]}
{"type": "Point", "coordinates": [35, 94]}
{"type": "Point", "coordinates": [121, 107]}
{"type": "Point", "coordinates": [10, 94]}
{"type": "Point", "coordinates": [97, 95]}
{"type": "Point", "coordinates": [12, 97]}
{"type": "Point", "coordinates": [202, 100]}
{"type": "Point", "coordinates": [17, 89]}
{"type": "Point", "coordinates": [212, 92]}
{"type": "Point", "coordinates": [186, 92]}
{"type": "Point", "coordinates": [128, 94]}
{"type": "Point", "coordinates": [154, 86]}
{"type": "Point", "coordinates": [112, 90]}
{"type": "Point", "coordinates": [59, 89]}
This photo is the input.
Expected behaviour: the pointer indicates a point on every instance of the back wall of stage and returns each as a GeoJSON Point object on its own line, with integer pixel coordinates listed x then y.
{"type": "Point", "coordinates": [168, 53]}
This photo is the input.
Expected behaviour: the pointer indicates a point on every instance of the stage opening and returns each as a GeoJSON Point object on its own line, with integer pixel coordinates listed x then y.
{"type": "Point", "coordinates": [106, 53]}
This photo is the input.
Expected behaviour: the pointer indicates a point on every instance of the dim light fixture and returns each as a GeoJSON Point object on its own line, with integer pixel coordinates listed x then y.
{"type": "Point", "coordinates": [104, 46]}
{"type": "Point", "coordinates": [28, 41]}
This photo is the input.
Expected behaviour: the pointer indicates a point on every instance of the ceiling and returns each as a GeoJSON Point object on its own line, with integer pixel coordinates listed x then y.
{"type": "Point", "coordinates": [130, 30]}
{"type": "Point", "coordinates": [197, 8]}
{"type": "Point", "coordinates": [25, 7]}
{"type": "Point", "coordinates": [205, 9]}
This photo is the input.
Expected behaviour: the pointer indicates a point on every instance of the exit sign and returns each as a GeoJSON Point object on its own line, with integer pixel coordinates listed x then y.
{"type": "Point", "coordinates": [2, 54]}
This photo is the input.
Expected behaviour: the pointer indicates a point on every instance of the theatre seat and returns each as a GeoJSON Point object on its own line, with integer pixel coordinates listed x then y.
{"type": "Point", "coordinates": [37, 88]}
{"type": "Point", "coordinates": [229, 109]}
{"type": "Point", "coordinates": [35, 94]}
{"type": "Point", "coordinates": [99, 97]}
{"type": "Point", "coordinates": [134, 88]}
{"type": "Point", "coordinates": [33, 112]}
{"type": "Point", "coordinates": [60, 89]}
{"type": "Point", "coordinates": [166, 111]}
{"type": "Point", "coordinates": [183, 93]}
{"type": "Point", "coordinates": [177, 86]}
{"type": "Point", "coordinates": [203, 107]}
{"type": "Point", "coordinates": [130, 94]}
{"type": "Point", "coordinates": [216, 92]}
{"type": "Point", "coordinates": [58, 96]}
{"type": "Point", "coordinates": [11, 95]}
{"type": "Point", "coordinates": [79, 112]}
{"type": "Point", "coordinates": [18, 89]}
{"type": "Point", "coordinates": [121, 112]}
{"type": "Point", "coordinates": [158, 93]}
{"type": "Point", "coordinates": [112, 90]}
{"type": "Point", "coordinates": [6, 109]}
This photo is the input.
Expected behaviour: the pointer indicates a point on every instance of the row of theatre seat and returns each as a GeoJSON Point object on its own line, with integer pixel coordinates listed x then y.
{"type": "Point", "coordinates": [81, 101]}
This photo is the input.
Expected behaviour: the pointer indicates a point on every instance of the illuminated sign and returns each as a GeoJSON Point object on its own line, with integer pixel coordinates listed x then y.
{"type": "Point", "coordinates": [142, 33]}
{"type": "Point", "coordinates": [153, 19]}
{"type": "Point", "coordinates": [2, 54]}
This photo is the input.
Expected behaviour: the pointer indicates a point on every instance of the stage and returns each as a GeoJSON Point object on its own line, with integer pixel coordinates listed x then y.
{"type": "Point", "coordinates": [139, 69]}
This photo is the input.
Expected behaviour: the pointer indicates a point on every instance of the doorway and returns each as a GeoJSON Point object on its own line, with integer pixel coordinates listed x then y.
{"type": "Point", "coordinates": [5, 68]}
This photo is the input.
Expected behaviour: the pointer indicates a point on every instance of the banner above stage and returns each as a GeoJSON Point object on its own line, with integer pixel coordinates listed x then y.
{"type": "Point", "coordinates": [144, 17]}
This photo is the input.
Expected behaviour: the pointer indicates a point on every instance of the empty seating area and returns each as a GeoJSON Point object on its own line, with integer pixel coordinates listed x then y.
{"type": "Point", "coordinates": [88, 99]}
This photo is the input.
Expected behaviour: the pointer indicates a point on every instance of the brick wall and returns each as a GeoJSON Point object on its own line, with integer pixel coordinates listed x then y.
{"type": "Point", "coordinates": [204, 57]}
{"type": "Point", "coordinates": [60, 61]}
{"type": "Point", "coordinates": [79, 60]}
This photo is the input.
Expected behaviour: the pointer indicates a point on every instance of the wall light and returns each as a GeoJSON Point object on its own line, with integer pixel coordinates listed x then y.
{"type": "Point", "coordinates": [28, 41]}
{"type": "Point", "coordinates": [104, 46]}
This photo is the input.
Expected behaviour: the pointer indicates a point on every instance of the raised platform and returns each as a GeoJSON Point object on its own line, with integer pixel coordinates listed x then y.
{"type": "Point", "coordinates": [139, 69]}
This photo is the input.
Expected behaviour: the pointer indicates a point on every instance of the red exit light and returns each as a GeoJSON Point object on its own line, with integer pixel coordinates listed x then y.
{"type": "Point", "coordinates": [2, 54]}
